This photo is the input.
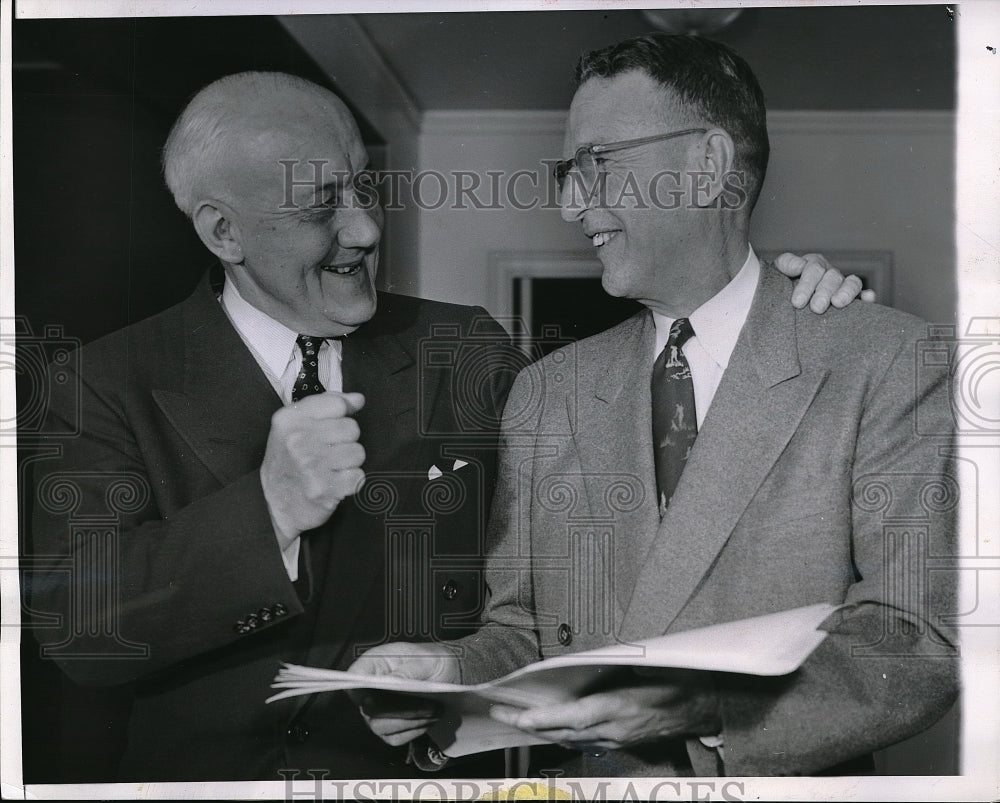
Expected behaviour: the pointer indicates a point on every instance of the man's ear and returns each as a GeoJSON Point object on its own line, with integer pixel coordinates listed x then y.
{"type": "Point", "coordinates": [715, 161]}
{"type": "Point", "coordinates": [215, 223]}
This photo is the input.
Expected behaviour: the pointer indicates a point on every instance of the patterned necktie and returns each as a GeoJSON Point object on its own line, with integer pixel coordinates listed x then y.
{"type": "Point", "coordinates": [307, 380]}
{"type": "Point", "coordinates": [311, 551]}
{"type": "Point", "coordinates": [674, 423]}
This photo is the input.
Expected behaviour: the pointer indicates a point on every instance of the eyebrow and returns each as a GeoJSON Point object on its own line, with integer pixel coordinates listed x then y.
{"type": "Point", "coordinates": [334, 184]}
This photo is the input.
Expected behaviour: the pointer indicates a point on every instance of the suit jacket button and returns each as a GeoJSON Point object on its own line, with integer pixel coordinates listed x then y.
{"type": "Point", "coordinates": [298, 733]}
{"type": "Point", "coordinates": [252, 621]}
{"type": "Point", "coordinates": [278, 609]}
{"type": "Point", "coordinates": [241, 627]}
{"type": "Point", "coordinates": [449, 590]}
{"type": "Point", "coordinates": [265, 614]}
{"type": "Point", "coordinates": [565, 635]}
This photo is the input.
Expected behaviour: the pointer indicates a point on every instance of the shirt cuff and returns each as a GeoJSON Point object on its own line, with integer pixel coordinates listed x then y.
{"type": "Point", "coordinates": [712, 742]}
{"type": "Point", "coordinates": [290, 557]}
{"type": "Point", "coordinates": [289, 546]}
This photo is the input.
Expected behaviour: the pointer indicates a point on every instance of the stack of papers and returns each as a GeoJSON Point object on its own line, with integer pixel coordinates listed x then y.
{"type": "Point", "coordinates": [775, 644]}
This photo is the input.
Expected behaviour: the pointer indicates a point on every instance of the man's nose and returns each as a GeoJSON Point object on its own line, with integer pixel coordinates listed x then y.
{"type": "Point", "coordinates": [359, 228]}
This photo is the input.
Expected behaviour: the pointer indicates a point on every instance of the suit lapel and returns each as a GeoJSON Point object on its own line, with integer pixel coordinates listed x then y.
{"type": "Point", "coordinates": [615, 444]}
{"type": "Point", "coordinates": [224, 408]}
{"type": "Point", "coordinates": [223, 411]}
{"type": "Point", "coordinates": [762, 398]}
{"type": "Point", "coordinates": [378, 364]}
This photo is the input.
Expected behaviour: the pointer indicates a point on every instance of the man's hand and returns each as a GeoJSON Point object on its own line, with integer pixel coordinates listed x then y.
{"type": "Point", "coordinates": [660, 705]}
{"type": "Point", "coordinates": [401, 718]}
{"type": "Point", "coordinates": [820, 284]}
{"type": "Point", "coordinates": [312, 461]}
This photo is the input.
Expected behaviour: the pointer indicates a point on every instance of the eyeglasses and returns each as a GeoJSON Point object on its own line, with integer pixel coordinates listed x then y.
{"type": "Point", "coordinates": [584, 159]}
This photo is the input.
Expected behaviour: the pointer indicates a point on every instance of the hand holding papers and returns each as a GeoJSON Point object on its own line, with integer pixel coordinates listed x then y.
{"type": "Point", "coordinates": [398, 719]}
{"type": "Point", "coordinates": [774, 644]}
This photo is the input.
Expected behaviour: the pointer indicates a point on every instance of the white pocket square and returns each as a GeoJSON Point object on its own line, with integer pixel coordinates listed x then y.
{"type": "Point", "coordinates": [434, 472]}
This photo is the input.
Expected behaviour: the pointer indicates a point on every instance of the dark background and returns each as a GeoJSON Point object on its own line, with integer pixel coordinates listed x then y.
{"type": "Point", "coordinates": [99, 241]}
{"type": "Point", "coordinates": [100, 244]}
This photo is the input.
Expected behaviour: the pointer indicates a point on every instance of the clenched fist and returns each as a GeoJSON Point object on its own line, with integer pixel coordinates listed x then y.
{"type": "Point", "coordinates": [312, 461]}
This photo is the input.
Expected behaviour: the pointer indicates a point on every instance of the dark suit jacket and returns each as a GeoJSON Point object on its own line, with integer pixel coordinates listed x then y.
{"type": "Point", "coordinates": [810, 481]}
{"type": "Point", "coordinates": [164, 565]}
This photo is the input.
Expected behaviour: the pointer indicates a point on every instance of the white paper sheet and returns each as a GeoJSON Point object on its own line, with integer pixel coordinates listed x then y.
{"type": "Point", "coordinates": [775, 644]}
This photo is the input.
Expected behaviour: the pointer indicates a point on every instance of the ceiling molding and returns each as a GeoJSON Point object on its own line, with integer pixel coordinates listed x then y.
{"type": "Point", "coordinates": [535, 122]}
{"type": "Point", "coordinates": [346, 53]}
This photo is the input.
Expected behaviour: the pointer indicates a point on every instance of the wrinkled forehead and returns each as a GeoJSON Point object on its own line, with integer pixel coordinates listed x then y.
{"type": "Point", "coordinates": [625, 106]}
{"type": "Point", "coordinates": [304, 127]}
{"type": "Point", "coordinates": [297, 145]}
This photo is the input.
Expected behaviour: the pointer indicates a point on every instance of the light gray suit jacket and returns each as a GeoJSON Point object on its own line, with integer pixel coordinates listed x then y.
{"type": "Point", "coordinates": [809, 482]}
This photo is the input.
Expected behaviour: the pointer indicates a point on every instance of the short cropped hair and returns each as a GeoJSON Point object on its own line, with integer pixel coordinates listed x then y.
{"type": "Point", "coordinates": [212, 123]}
{"type": "Point", "coordinates": [708, 79]}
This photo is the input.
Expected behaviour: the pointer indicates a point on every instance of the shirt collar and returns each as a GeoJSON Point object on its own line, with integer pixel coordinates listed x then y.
{"type": "Point", "coordinates": [272, 342]}
{"type": "Point", "coordinates": [717, 322]}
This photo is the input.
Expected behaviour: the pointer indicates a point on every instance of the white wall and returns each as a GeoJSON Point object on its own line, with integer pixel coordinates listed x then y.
{"type": "Point", "coordinates": [868, 180]}
{"type": "Point", "coordinates": [454, 244]}
{"type": "Point", "coordinates": [837, 180]}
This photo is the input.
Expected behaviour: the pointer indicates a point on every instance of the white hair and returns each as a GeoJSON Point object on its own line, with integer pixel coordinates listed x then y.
{"type": "Point", "coordinates": [216, 117]}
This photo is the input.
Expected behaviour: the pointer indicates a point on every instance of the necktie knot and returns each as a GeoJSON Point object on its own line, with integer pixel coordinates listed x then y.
{"type": "Point", "coordinates": [307, 380]}
{"type": "Point", "coordinates": [309, 344]}
{"type": "Point", "coordinates": [681, 332]}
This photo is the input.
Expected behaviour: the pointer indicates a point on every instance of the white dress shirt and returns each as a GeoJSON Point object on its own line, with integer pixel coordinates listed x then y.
{"type": "Point", "coordinates": [717, 324]}
{"type": "Point", "coordinates": [279, 357]}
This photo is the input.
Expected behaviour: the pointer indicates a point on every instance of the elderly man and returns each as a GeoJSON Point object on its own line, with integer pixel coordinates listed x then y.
{"type": "Point", "coordinates": [762, 452]}
{"type": "Point", "coordinates": [239, 540]}
{"type": "Point", "coordinates": [223, 445]}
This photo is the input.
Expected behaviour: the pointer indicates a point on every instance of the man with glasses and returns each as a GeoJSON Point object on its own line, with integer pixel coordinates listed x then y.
{"type": "Point", "coordinates": [230, 435]}
{"type": "Point", "coordinates": [719, 456]}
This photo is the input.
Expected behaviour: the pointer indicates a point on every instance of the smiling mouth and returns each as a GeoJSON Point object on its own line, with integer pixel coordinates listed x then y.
{"type": "Point", "coordinates": [343, 270]}
{"type": "Point", "coordinates": [602, 238]}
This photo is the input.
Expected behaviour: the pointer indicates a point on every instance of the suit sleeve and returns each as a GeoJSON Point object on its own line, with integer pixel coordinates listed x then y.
{"type": "Point", "coordinates": [135, 590]}
{"type": "Point", "coordinates": [888, 667]}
